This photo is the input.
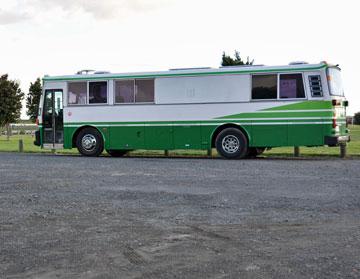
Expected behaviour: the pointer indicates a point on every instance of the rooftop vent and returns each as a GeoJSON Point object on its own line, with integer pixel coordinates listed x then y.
{"type": "Point", "coordinates": [298, 63]}
{"type": "Point", "coordinates": [87, 72]}
{"type": "Point", "coordinates": [84, 72]}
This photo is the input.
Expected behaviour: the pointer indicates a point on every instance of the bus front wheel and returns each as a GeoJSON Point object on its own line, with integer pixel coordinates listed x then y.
{"type": "Point", "coordinates": [231, 143]}
{"type": "Point", "coordinates": [89, 142]}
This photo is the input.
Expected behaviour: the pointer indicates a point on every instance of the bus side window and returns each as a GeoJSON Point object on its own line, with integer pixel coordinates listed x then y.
{"type": "Point", "coordinates": [144, 91]}
{"type": "Point", "coordinates": [264, 87]}
{"type": "Point", "coordinates": [315, 86]}
{"type": "Point", "coordinates": [98, 92]}
{"type": "Point", "coordinates": [124, 91]}
{"type": "Point", "coordinates": [291, 86]}
{"type": "Point", "coordinates": [77, 92]}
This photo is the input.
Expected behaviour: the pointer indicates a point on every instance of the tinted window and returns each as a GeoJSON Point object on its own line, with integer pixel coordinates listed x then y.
{"type": "Point", "coordinates": [264, 87]}
{"type": "Point", "coordinates": [291, 86]}
{"type": "Point", "coordinates": [125, 91]}
{"type": "Point", "coordinates": [144, 90]}
{"type": "Point", "coordinates": [77, 92]}
{"type": "Point", "coordinates": [98, 92]}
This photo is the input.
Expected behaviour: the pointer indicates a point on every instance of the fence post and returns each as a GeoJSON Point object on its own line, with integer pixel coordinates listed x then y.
{"type": "Point", "coordinates": [8, 131]}
{"type": "Point", "coordinates": [209, 152]}
{"type": "Point", "coordinates": [166, 153]}
{"type": "Point", "coordinates": [342, 150]}
{"type": "Point", "coordinates": [21, 146]}
{"type": "Point", "coordinates": [296, 151]}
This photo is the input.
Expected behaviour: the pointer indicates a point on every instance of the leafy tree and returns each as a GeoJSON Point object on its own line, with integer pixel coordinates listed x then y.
{"type": "Point", "coordinates": [229, 61]}
{"type": "Point", "coordinates": [10, 102]}
{"type": "Point", "coordinates": [33, 99]}
{"type": "Point", "coordinates": [357, 118]}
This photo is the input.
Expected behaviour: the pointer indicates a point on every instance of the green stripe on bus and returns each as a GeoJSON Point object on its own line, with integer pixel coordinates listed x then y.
{"type": "Point", "coordinates": [288, 115]}
{"type": "Point", "coordinates": [304, 106]}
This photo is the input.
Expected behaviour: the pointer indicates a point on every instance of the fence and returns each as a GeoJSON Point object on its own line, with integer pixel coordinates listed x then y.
{"type": "Point", "coordinates": [19, 129]}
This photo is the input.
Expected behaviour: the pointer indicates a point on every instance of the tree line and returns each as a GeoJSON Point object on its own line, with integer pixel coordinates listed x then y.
{"type": "Point", "coordinates": [11, 95]}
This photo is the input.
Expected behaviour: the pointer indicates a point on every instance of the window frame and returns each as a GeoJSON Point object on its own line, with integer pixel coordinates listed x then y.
{"type": "Point", "coordinates": [67, 93]}
{"type": "Point", "coordinates": [135, 92]}
{"type": "Point", "coordinates": [304, 86]}
{"type": "Point", "coordinates": [125, 79]}
{"type": "Point", "coordinates": [264, 100]}
{"type": "Point", "coordinates": [107, 93]}
{"type": "Point", "coordinates": [278, 87]}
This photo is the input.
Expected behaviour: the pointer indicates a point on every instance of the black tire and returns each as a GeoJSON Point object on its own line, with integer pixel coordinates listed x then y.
{"type": "Point", "coordinates": [90, 142]}
{"type": "Point", "coordinates": [117, 153]}
{"type": "Point", "coordinates": [231, 143]}
{"type": "Point", "coordinates": [255, 151]}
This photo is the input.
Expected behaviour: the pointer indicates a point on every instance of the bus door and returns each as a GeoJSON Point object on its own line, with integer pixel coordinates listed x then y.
{"type": "Point", "coordinates": [53, 128]}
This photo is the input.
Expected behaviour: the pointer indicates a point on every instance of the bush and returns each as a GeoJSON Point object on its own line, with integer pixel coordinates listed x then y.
{"type": "Point", "coordinates": [357, 118]}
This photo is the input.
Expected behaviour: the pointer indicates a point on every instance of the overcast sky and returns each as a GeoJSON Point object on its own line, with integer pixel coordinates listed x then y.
{"type": "Point", "coordinates": [59, 37]}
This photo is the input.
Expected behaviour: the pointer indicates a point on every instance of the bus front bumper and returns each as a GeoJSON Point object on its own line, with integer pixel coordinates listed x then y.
{"type": "Point", "coordinates": [336, 140]}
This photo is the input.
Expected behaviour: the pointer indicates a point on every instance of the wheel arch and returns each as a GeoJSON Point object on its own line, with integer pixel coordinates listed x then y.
{"type": "Point", "coordinates": [220, 128]}
{"type": "Point", "coordinates": [79, 129]}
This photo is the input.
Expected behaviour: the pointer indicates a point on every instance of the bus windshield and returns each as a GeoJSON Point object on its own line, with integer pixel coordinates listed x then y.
{"type": "Point", "coordinates": [335, 82]}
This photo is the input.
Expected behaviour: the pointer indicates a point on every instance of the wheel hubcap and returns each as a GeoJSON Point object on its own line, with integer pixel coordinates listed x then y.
{"type": "Point", "coordinates": [230, 144]}
{"type": "Point", "coordinates": [88, 142]}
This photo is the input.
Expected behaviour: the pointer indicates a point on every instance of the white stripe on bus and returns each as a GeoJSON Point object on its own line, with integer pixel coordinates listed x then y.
{"type": "Point", "coordinates": [200, 124]}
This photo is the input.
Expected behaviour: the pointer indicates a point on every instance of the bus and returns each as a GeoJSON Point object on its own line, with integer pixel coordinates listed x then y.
{"type": "Point", "coordinates": [240, 111]}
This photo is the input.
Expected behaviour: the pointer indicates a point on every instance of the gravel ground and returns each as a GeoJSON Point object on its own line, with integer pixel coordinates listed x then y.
{"type": "Point", "coordinates": [76, 217]}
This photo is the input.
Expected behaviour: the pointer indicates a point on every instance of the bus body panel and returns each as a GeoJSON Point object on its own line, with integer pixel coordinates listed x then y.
{"type": "Point", "coordinates": [189, 107]}
{"type": "Point", "coordinates": [287, 125]}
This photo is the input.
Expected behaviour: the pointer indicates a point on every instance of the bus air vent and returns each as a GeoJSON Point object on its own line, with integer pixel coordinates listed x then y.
{"type": "Point", "coordinates": [315, 85]}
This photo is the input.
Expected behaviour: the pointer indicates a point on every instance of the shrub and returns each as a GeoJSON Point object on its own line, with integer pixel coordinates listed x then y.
{"type": "Point", "coordinates": [357, 118]}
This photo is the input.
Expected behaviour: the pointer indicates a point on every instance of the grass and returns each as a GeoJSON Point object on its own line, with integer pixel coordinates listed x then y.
{"type": "Point", "coordinates": [353, 149]}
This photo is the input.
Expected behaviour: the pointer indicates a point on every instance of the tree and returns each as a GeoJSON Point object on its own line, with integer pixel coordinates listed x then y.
{"type": "Point", "coordinates": [229, 61]}
{"type": "Point", "coordinates": [33, 99]}
{"type": "Point", "coordinates": [10, 102]}
{"type": "Point", "coordinates": [357, 118]}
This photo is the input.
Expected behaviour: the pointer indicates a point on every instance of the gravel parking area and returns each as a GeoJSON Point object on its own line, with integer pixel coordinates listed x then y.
{"type": "Point", "coordinates": [77, 217]}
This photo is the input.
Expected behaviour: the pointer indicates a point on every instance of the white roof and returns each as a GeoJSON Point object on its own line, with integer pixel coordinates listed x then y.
{"type": "Point", "coordinates": [191, 72]}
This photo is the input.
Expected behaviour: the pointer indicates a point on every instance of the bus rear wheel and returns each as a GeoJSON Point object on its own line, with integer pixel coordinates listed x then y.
{"type": "Point", "coordinates": [89, 142]}
{"type": "Point", "coordinates": [231, 143]}
{"type": "Point", "coordinates": [116, 153]}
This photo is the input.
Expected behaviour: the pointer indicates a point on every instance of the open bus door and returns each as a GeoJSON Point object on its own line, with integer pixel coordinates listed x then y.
{"type": "Point", "coordinates": [53, 124]}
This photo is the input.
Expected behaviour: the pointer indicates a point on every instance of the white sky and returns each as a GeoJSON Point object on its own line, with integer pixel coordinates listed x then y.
{"type": "Point", "coordinates": [59, 37]}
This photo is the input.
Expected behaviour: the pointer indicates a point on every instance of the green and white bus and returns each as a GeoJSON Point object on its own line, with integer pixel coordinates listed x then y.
{"type": "Point", "coordinates": [238, 110]}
